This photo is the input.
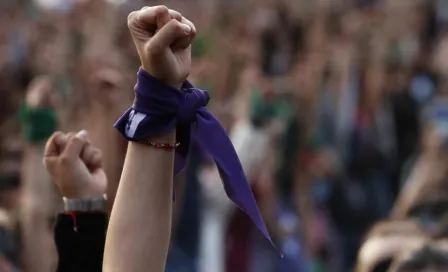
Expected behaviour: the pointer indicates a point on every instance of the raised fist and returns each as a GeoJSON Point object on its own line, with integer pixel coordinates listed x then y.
{"type": "Point", "coordinates": [163, 41]}
{"type": "Point", "coordinates": [75, 165]}
{"type": "Point", "coordinates": [39, 93]}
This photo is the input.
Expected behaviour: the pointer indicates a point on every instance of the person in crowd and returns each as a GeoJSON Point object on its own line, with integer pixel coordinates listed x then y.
{"type": "Point", "coordinates": [153, 129]}
{"type": "Point", "coordinates": [431, 256]}
{"type": "Point", "coordinates": [10, 183]}
{"type": "Point", "coordinates": [75, 166]}
{"type": "Point", "coordinates": [40, 200]}
{"type": "Point", "coordinates": [428, 172]}
{"type": "Point", "coordinates": [384, 241]}
{"type": "Point", "coordinates": [355, 86]}
{"type": "Point", "coordinates": [143, 205]}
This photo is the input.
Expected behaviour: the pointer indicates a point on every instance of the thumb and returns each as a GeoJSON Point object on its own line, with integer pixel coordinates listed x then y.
{"type": "Point", "coordinates": [75, 145]}
{"type": "Point", "coordinates": [167, 35]}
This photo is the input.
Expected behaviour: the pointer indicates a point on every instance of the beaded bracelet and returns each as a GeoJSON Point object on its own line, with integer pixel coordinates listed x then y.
{"type": "Point", "coordinates": [166, 146]}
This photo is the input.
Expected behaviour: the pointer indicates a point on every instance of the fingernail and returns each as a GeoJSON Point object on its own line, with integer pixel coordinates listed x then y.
{"type": "Point", "coordinates": [187, 28]}
{"type": "Point", "coordinates": [82, 134]}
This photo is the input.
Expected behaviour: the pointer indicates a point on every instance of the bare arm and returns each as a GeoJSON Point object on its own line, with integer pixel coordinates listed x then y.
{"type": "Point", "coordinates": [140, 223]}
{"type": "Point", "coordinates": [40, 200]}
{"type": "Point", "coordinates": [426, 174]}
{"type": "Point", "coordinates": [38, 206]}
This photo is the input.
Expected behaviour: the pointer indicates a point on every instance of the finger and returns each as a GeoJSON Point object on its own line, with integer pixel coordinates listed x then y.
{"type": "Point", "coordinates": [53, 149]}
{"type": "Point", "coordinates": [162, 17]}
{"type": "Point", "coordinates": [175, 15]}
{"type": "Point", "coordinates": [167, 35]}
{"type": "Point", "coordinates": [92, 157]}
{"type": "Point", "coordinates": [72, 134]}
{"type": "Point", "coordinates": [53, 145]}
{"type": "Point", "coordinates": [150, 15]}
{"type": "Point", "coordinates": [62, 142]}
{"type": "Point", "coordinates": [69, 135]}
{"type": "Point", "coordinates": [88, 153]}
{"type": "Point", "coordinates": [172, 15]}
{"type": "Point", "coordinates": [188, 22]}
{"type": "Point", "coordinates": [185, 41]}
{"type": "Point", "coordinates": [75, 145]}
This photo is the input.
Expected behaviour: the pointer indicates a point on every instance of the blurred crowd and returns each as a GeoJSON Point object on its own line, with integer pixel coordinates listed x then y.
{"type": "Point", "coordinates": [338, 110]}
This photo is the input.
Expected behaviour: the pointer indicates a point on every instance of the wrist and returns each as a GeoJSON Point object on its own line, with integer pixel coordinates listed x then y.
{"type": "Point", "coordinates": [85, 193]}
{"type": "Point", "coordinates": [38, 124]}
{"type": "Point", "coordinates": [177, 85]}
{"type": "Point", "coordinates": [90, 204]}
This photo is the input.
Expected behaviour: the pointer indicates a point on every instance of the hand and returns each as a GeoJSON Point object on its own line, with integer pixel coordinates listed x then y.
{"type": "Point", "coordinates": [39, 93]}
{"type": "Point", "coordinates": [163, 41]}
{"type": "Point", "coordinates": [75, 165]}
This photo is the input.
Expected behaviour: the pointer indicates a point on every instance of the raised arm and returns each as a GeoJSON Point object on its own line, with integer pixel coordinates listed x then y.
{"type": "Point", "coordinates": [75, 166]}
{"type": "Point", "coordinates": [40, 201]}
{"type": "Point", "coordinates": [140, 224]}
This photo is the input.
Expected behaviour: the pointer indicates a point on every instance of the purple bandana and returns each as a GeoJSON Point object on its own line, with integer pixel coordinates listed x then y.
{"type": "Point", "coordinates": [159, 108]}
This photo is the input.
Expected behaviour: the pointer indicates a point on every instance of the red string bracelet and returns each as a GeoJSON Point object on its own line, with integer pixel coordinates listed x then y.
{"type": "Point", "coordinates": [73, 215]}
{"type": "Point", "coordinates": [75, 223]}
{"type": "Point", "coordinates": [163, 145]}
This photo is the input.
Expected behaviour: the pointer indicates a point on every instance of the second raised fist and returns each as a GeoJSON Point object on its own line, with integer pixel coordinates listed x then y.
{"type": "Point", "coordinates": [75, 165]}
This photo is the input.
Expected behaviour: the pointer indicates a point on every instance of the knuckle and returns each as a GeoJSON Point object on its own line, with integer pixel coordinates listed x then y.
{"type": "Point", "coordinates": [74, 141]}
{"type": "Point", "coordinates": [153, 48]}
{"type": "Point", "coordinates": [162, 10]}
{"type": "Point", "coordinates": [192, 34]}
{"type": "Point", "coordinates": [55, 137]}
{"type": "Point", "coordinates": [176, 26]}
{"type": "Point", "coordinates": [64, 160]}
{"type": "Point", "coordinates": [57, 134]}
{"type": "Point", "coordinates": [131, 18]}
{"type": "Point", "coordinates": [175, 14]}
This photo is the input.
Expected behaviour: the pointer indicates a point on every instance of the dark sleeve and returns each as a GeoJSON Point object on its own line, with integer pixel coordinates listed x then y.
{"type": "Point", "coordinates": [81, 250]}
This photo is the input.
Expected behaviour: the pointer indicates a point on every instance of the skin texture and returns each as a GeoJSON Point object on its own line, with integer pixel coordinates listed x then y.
{"type": "Point", "coordinates": [385, 240]}
{"type": "Point", "coordinates": [38, 206]}
{"type": "Point", "coordinates": [143, 204]}
{"type": "Point", "coordinates": [40, 200]}
{"type": "Point", "coordinates": [429, 172]}
{"type": "Point", "coordinates": [75, 165]}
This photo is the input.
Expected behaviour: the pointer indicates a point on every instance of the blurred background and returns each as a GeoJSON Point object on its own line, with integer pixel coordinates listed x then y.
{"type": "Point", "coordinates": [338, 110]}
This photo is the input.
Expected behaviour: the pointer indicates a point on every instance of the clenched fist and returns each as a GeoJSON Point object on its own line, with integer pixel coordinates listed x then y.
{"type": "Point", "coordinates": [163, 40]}
{"type": "Point", "coordinates": [75, 165]}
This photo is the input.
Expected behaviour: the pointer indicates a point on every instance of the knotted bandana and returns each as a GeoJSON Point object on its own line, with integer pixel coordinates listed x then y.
{"type": "Point", "coordinates": [159, 108]}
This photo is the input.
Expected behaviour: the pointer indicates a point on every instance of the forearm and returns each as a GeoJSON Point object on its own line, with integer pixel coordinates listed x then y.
{"type": "Point", "coordinates": [140, 224]}
{"type": "Point", "coordinates": [425, 173]}
{"type": "Point", "coordinates": [112, 145]}
{"type": "Point", "coordinates": [37, 209]}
